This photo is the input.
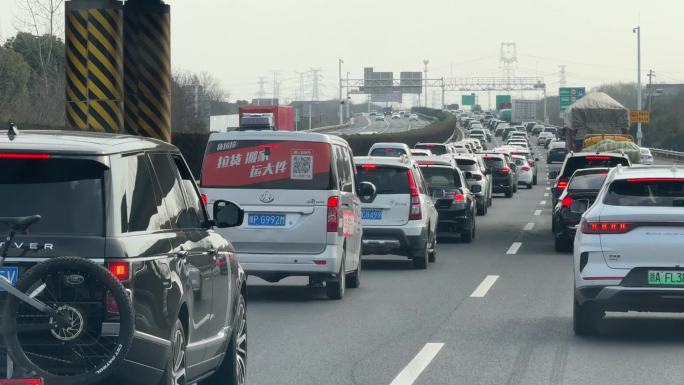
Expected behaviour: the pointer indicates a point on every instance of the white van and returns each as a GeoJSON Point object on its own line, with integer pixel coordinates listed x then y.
{"type": "Point", "coordinates": [299, 194]}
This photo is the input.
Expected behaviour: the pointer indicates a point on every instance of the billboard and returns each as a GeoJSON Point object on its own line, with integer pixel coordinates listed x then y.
{"type": "Point", "coordinates": [503, 101]}
{"type": "Point", "coordinates": [411, 82]}
{"type": "Point", "coordinates": [468, 100]}
{"type": "Point", "coordinates": [392, 97]}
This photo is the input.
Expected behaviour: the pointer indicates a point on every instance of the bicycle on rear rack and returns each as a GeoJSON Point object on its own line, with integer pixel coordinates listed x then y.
{"type": "Point", "coordinates": [68, 320]}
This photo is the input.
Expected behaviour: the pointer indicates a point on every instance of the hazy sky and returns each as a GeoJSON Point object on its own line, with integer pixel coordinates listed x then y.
{"type": "Point", "coordinates": [239, 40]}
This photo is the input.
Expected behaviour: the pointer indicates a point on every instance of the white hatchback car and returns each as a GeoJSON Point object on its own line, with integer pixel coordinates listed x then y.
{"type": "Point", "coordinates": [399, 217]}
{"type": "Point", "coordinates": [391, 149]}
{"type": "Point", "coordinates": [646, 156]}
{"type": "Point", "coordinates": [523, 170]}
{"type": "Point", "coordinates": [628, 247]}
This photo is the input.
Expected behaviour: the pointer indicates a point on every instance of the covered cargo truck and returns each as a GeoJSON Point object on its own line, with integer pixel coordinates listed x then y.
{"type": "Point", "coordinates": [594, 114]}
{"type": "Point", "coordinates": [524, 110]}
{"type": "Point", "coordinates": [252, 117]}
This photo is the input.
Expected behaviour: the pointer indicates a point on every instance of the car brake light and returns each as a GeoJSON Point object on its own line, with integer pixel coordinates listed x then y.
{"type": "Point", "coordinates": [637, 180]}
{"type": "Point", "coordinates": [333, 221]}
{"type": "Point", "coordinates": [205, 200]}
{"type": "Point", "coordinates": [505, 170]}
{"type": "Point", "coordinates": [24, 381]}
{"type": "Point", "coordinates": [526, 168]}
{"type": "Point", "coordinates": [120, 270]}
{"type": "Point", "coordinates": [598, 157]}
{"type": "Point", "coordinates": [599, 227]}
{"type": "Point", "coordinates": [530, 162]}
{"type": "Point", "coordinates": [476, 177]}
{"type": "Point", "coordinates": [562, 184]}
{"type": "Point", "coordinates": [369, 166]}
{"type": "Point", "coordinates": [23, 156]}
{"type": "Point", "coordinates": [415, 212]}
{"type": "Point", "coordinates": [567, 201]}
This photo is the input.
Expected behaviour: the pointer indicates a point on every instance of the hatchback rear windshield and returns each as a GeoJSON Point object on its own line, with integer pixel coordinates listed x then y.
{"type": "Point", "coordinates": [66, 193]}
{"type": "Point", "coordinates": [494, 162]}
{"type": "Point", "coordinates": [588, 181]}
{"type": "Point", "coordinates": [387, 180]}
{"type": "Point", "coordinates": [591, 161]}
{"type": "Point", "coordinates": [652, 192]}
{"type": "Point", "coordinates": [388, 151]}
{"type": "Point", "coordinates": [440, 177]}
{"type": "Point", "coordinates": [467, 165]}
{"type": "Point", "coordinates": [260, 164]}
{"type": "Point", "coordinates": [557, 155]}
{"type": "Point", "coordinates": [437, 149]}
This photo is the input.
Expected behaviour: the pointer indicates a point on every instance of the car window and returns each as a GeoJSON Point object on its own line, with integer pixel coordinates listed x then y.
{"type": "Point", "coordinates": [592, 181]}
{"type": "Point", "coordinates": [193, 199]}
{"type": "Point", "coordinates": [172, 192]}
{"type": "Point", "coordinates": [420, 181]}
{"type": "Point", "coordinates": [520, 162]}
{"type": "Point", "coordinates": [557, 155]}
{"type": "Point", "coordinates": [387, 180]}
{"type": "Point", "coordinates": [575, 163]}
{"type": "Point", "coordinates": [653, 192]}
{"type": "Point", "coordinates": [135, 197]}
{"type": "Point", "coordinates": [268, 164]}
{"type": "Point", "coordinates": [67, 193]}
{"type": "Point", "coordinates": [437, 149]}
{"type": "Point", "coordinates": [494, 162]}
{"type": "Point", "coordinates": [467, 165]}
{"type": "Point", "coordinates": [440, 177]}
{"type": "Point", "coordinates": [344, 161]}
{"type": "Point", "coordinates": [388, 151]}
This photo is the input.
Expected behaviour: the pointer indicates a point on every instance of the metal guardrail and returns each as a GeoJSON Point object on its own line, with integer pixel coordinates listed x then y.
{"type": "Point", "coordinates": [335, 127]}
{"type": "Point", "coordinates": [670, 154]}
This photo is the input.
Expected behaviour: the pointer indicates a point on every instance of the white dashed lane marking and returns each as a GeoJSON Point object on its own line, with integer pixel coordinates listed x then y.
{"type": "Point", "coordinates": [537, 212]}
{"type": "Point", "coordinates": [410, 373]}
{"type": "Point", "coordinates": [514, 248]}
{"type": "Point", "coordinates": [529, 226]}
{"type": "Point", "coordinates": [484, 286]}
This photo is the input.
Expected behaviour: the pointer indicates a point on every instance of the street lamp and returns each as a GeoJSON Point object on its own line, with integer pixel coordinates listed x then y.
{"type": "Point", "coordinates": [341, 112]}
{"type": "Point", "coordinates": [637, 30]}
{"type": "Point", "coordinates": [426, 62]}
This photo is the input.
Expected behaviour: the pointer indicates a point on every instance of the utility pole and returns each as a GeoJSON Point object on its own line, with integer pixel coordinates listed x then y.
{"type": "Point", "coordinates": [637, 30]}
{"type": "Point", "coordinates": [341, 112]}
{"type": "Point", "coordinates": [275, 88]}
{"type": "Point", "coordinates": [426, 62]}
{"type": "Point", "coordinates": [347, 103]}
{"type": "Point", "coordinates": [261, 94]}
{"type": "Point", "coordinates": [650, 75]}
{"type": "Point", "coordinates": [442, 85]}
{"type": "Point", "coordinates": [301, 85]}
{"type": "Point", "coordinates": [315, 73]}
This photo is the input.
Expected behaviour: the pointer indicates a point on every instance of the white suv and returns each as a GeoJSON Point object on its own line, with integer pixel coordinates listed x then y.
{"type": "Point", "coordinates": [399, 218]}
{"type": "Point", "coordinates": [628, 248]}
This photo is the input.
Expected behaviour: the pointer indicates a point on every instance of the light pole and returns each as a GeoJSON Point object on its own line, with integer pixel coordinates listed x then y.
{"type": "Point", "coordinates": [348, 98]}
{"type": "Point", "coordinates": [340, 61]}
{"type": "Point", "coordinates": [425, 62]}
{"type": "Point", "coordinates": [637, 30]}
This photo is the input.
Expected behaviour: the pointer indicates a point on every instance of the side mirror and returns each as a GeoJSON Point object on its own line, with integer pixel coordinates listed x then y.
{"type": "Point", "coordinates": [536, 159]}
{"type": "Point", "coordinates": [227, 214]}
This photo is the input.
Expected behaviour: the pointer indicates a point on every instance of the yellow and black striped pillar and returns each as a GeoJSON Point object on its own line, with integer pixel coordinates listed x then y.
{"type": "Point", "coordinates": [94, 48]}
{"type": "Point", "coordinates": [147, 62]}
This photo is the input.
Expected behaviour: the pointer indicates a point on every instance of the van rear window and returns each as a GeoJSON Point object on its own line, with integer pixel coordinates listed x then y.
{"type": "Point", "coordinates": [653, 192]}
{"type": "Point", "coordinates": [388, 151]}
{"type": "Point", "coordinates": [260, 164]}
{"type": "Point", "coordinates": [437, 149]}
{"type": "Point", "coordinates": [575, 163]}
{"type": "Point", "coordinates": [387, 180]}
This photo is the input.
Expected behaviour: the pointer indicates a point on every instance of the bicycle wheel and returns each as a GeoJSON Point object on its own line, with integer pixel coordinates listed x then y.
{"type": "Point", "coordinates": [99, 325]}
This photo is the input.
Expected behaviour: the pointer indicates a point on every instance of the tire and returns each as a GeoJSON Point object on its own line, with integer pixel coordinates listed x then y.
{"type": "Point", "coordinates": [40, 280]}
{"type": "Point", "coordinates": [335, 288]}
{"type": "Point", "coordinates": [354, 278]}
{"type": "Point", "coordinates": [482, 209]}
{"type": "Point", "coordinates": [529, 186]}
{"type": "Point", "coordinates": [432, 254]}
{"type": "Point", "coordinates": [585, 318]}
{"type": "Point", "coordinates": [509, 193]}
{"type": "Point", "coordinates": [534, 180]}
{"type": "Point", "coordinates": [420, 262]}
{"type": "Point", "coordinates": [176, 363]}
{"type": "Point", "coordinates": [515, 188]}
{"type": "Point", "coordinates": [468, 236]}
{"type": "Point", "coordinates": [233, 369]}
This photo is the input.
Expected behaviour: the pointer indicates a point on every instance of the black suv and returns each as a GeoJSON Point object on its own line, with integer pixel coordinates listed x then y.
{"type": "Point", "coordinates": [503, 176]}
{"type": "Point", "coordinates": [132, 204]}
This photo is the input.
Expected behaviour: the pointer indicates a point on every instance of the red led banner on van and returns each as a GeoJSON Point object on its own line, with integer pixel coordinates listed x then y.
{"type": "Point", "coordinates": [273, 165]}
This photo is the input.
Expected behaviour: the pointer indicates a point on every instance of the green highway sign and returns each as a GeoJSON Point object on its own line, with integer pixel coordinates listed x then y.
{"type": "Point", "coordinates": [503, 101]}
{"type": "Point", "coordinates": [569, 95]}
{"type": "Point", "coordinates": [468, 100]}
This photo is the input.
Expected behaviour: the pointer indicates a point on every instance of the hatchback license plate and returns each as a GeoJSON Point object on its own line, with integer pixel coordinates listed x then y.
{"type": "Point", "coordinates": [666, 277]}
{"type": "Point", "coordinates": [371, 215]}
{"type": "Point", "coordinates": [11, 273]}
{"type": "Point", "coordinates": [268, 220]}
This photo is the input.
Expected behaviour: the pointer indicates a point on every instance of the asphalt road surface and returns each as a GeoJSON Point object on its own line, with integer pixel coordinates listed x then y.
{"type": "Point", "coordinates": [497, 311]}
{"type": "Point", "coordinates": [365, 124]}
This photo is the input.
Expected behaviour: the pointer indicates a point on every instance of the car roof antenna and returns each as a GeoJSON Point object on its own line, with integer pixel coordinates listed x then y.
{"type": "Point", "coordinates": [13, 131]}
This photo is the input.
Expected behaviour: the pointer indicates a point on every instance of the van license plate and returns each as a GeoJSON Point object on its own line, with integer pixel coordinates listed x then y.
{"type": "Point", "coordinates": [666, 277]}
{"type": "Point", "coordinates": [371, 215]}
{"type": "Point", "coordinates": [267, 220]}
{"type": "Point", "coordinates": [11, 273]}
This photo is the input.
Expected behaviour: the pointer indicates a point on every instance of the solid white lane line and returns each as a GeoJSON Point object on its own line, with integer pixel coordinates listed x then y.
{"type": "Point", "coordinates": [542, 202]}
{"type": "Point", "coordinates": [537, 212]}
{"type": "Point", "coordinates": [529, 226]}
{"type": "Point", "coordinates": [421, 361]}
{"type": "Point", "coordinates": [514, 248]}
{"type": "Point", "coordinates": [546, 194]}
{"type": "Point", "coordinates": [484, 286]}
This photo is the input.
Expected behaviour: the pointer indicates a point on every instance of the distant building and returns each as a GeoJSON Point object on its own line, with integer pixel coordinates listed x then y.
{"type": "Point", "coordinates": [266, 102]}
{"type": "Point", "coordinates": [667, 89]}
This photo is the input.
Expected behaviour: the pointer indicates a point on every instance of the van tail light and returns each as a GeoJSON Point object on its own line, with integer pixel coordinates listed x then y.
{"type": "Point", "coordinates": [25, 156]}
{"type": "Point", "coordinates": [505, 170]}
{"type": "Point", "coordinates": [567, 201]}
{"type": "Point", "coordinates": [415, 212]}
{"type": "Point", "coordinates": [333, 221]}
{"type": "Point", "coordinates": [526, 168]}
{"type": "Point", "coordinates": [205, 200]}
{"type": "Point", "coordinates": [476, 177]}
{"type": "Point", "coordinates": [120, 270]}
{"type": "Point", "coordinates": [562, 184]}
{"type": "Point", "coordinates": [23, 381]}
{"type": "Point", "coordinates": [530, 162]}
{"type": "Point", "coordinates": [599, 227]}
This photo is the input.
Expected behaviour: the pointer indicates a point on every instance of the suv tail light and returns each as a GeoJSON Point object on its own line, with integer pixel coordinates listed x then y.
{"type": "Point", "coordinates": [476, 177]}
{"type": "Point", "coordinates": [333, 221]}
{"type": "Point", "coordinates": [505, 170]}
{"type": "Point", "coordinates": [562, 184]}
{"type": "Point", "coordinates": [24, 381]}
{"type": "Point", "coordinates": [120, 270]}
{"type": "Point", "coordinates": [599, 227]}
{"type": "Point", "coordinates": [5, 155]}
{"type": "Point", "coordinates": [530, 162]}
{"type": "Point", "coordinates": [567, 201]}
{"type": "Point", "coordinates": [455, 196]}
{"type": "Point", "coordinates": [415, 212]}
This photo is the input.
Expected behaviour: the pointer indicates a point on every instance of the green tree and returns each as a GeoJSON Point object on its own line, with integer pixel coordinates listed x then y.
{"type": "Point", "coordinates": [14, 82]}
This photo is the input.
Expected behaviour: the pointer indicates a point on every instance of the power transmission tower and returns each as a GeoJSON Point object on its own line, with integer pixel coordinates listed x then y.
{"type": "Point", "coordinates": [301, 85]}
{"type": "Point", "coordinates": [563, 80]}
{"type": "Point", "coordinates": [276, 87]}
{"type": "Point", "coordinates": [316, 77]}
{"type": "Point", "coordinates": [508, 58]}
{"type": "Point", "coordinates": [261, 94]}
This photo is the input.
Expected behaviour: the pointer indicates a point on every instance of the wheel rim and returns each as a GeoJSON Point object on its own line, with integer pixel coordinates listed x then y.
{"type": "Point", "coordinates": [178, 356]}
{"type": "Point", "coordinates": [241, 345]}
